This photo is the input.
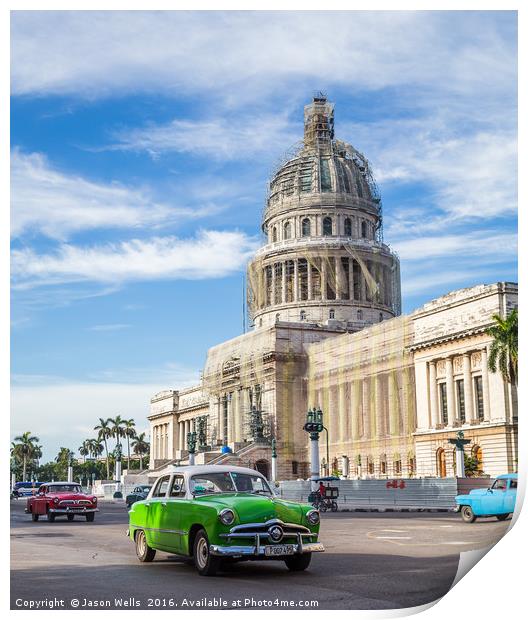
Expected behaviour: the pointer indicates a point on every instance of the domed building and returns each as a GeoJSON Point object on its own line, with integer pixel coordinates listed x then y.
{"type": "Point", "coordinates": [325, 261]}
{"type": "Point", "coordinates": [327, 331]}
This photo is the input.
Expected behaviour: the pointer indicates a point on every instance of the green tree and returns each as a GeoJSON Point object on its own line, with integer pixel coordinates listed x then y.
{"type": "Point", "coordinates": [84, 448]}
{"type": "Point", "coordinates": [63, 459]}
{"type": "Point", "coordinates": [141, 447]}
{"type": "Point", "coordinates": [25, 450]}
{"type": "Point", "coordinates": [104, 431]}
{"type": "Point", "coordinates": [129, 429]}
{"type": "Point", "coordinates": [504, 348]}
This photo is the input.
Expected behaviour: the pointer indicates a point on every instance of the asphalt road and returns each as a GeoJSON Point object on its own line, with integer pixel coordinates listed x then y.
{"type": "Point", "coordinates": [372, 561]}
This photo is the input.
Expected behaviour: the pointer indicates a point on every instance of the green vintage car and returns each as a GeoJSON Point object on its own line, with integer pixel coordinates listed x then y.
{"type": "Point", "coordinates": [217, 514]}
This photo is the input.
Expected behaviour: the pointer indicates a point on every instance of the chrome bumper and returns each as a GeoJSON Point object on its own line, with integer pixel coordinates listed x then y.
{"type": "Point", "coordinates": [72, 511]}
{"type": "Point", "coordinates": [257, 551]}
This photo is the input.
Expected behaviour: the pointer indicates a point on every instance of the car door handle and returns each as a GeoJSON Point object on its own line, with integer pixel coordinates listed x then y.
{"type": "Point", "coordinates": [163, 503]}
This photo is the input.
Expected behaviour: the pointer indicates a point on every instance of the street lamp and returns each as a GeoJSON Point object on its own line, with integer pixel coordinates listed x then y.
{"type": "Point", "coordinates": [191, 446]}
{"type": "Point", "coordinates": [459, 444]}
{"type": "Point", "coordinates": [314, 426]}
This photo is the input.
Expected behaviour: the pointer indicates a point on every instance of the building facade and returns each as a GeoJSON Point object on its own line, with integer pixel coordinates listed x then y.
{"type": "Point", "coordinates": [324, 299]}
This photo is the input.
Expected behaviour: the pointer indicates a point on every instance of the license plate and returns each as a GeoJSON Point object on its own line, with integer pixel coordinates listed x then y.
{"type": "Point", "coordinates": [271, 550]}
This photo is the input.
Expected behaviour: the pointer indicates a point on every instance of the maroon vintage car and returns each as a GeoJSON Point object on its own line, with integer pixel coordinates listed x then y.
{"type": "Point", "coordinates": [61, 498]}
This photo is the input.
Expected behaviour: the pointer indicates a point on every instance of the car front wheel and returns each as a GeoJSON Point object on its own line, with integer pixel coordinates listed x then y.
{"type": "Point", "coordinates": [143, 551]}
{"type": "Point", "coordinates": [34, 517]}
{"type": "Point", "coordinates": [502, 517]}
{"type": "Point", "coordinates": [467, 514]}
{"type": "Point", "coordinates": [90, 516]}
{"type": "Point", "coordinates": [206, 564]}
{"type": "Point", "coordinates": [298, 562]}
{"type": "Point", "coordinates": [51, 517]}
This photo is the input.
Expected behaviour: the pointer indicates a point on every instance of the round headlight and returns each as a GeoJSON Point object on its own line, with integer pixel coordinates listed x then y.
{"type": "Point", "coordinates": [313, 517]}
{"type": "Point", "coordinates": [94, 500]}
{"type": "Point", "coordinates": [55, 500]}
{"type": "Point", "coordinates": [227, 516]}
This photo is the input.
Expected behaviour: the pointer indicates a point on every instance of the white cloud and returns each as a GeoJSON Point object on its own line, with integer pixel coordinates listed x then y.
{"type": "Point", "coordinates": [471, 175]}
{"type": "Point", "coordinates": [109, 327]}
{"type": "Point", "coordinates": [68, 410]}
{"type": "Point", "coordinates": [56, 204]}
{"type": "Point", "coordinates": [220, 138]}
{"type": "Point", "coordinates": [245, 56]}
{"type": "Point", "coordinates": [211, 254]}
{"type": "Point", "coordinates": [488, 245]}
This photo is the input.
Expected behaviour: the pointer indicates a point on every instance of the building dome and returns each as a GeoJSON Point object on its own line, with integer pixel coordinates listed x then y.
{"type": "Point", "coordinates": [325, 261]}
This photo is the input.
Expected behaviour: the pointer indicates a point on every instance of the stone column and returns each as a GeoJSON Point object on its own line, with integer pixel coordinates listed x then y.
{"type": "Point", "coordinates": [296, 280]}
{"type": "Point", "coordinates": [236, 415]}
{"type": "Point", "coordinates": [221, 421]}
{"type": "Point", "coordinates": [230, 419]}
{"type": "Point", "coordinates": [323, 279]}
{"type": "Point", "coordinates": [342, 412]}
{"type": "Point", "coordinates": [380, 406]}
{"type": "Point", "coordinates": [485, 385]}
{"type": "Point", "coordinates": [283, 283]}
{"type": "Point", "coordinates": [309, 279]}
{"type": "Point", "coordinates": [433, 395]}
{"type": "Point", "coordinates": [180, 436]}
{"type": "Point", "coordinates": [469, 404]}
{"type": "Point", "coordinates": [393, 404]}
{"type": "Point", "coordinates": [273, 284]}
{"type": "Point", "coordinates": [362, 285]}
{"type": "Point", "coordinates": [366, 407]}
{"type": "Point", "coordinates": [338, 277]}
{"type": "Point", "coordinates": [450, 388]}
{"type": "Point", "coordinates": [351, 263]}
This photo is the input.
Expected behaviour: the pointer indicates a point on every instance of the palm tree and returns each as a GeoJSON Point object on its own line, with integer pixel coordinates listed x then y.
{"type": "Point", "coordinates": [95, 447]}
{"type": "Point", "coordinates": [25, 449]}
{"type": "Point", "coordinates": [504, 348]}
{"type": "Point", "coordinates": [130, 433]}
{"type": "Point", "coordinates": [117, 429]}
{"type": "Point", "coordinates": [140, 446]}
{"type": "Point", "coordinates": [104, 432]}
{"type": "Point", "coordinates": [64, 458]}
{"type": "Point", "coordinates": [84, 449]}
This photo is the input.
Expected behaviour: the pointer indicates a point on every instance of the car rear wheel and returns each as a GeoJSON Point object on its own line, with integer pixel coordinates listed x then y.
{"type": "Point", "coordinates": [298, 562]}
{"type": "Point", "coordinates": [90, 516]}
{"type": "Point", "coordinates": [205, 563]}
{"type": "Point", "coordinates": [334, 507]}
{"type": "Point", "coordinates": [143, 551]}
{"type": "Point", "coordinates": [467, 514]}
{"type": "Point", "coordinates": [503, 517]}
{"type": "Point", "coordinates": [34, 517]}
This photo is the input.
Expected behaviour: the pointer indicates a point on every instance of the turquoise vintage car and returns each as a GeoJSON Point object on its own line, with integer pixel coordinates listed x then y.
{"type": "Point", "coordinates": [496, 501]}
{"type": "Point", "coordinates": [215, 513]}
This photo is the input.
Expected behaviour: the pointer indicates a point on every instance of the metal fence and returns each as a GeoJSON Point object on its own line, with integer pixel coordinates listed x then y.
{"type": "Point", "coordinates": [412, 494]}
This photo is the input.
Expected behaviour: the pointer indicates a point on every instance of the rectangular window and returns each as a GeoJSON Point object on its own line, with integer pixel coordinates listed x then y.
{"type": "Point", "coordinates": [443, 402]}
{"type": "Point", "coordinates": [460, 400]}
{"type": "Point", "coordinates": [326, 180]}
{"type": "Point", "coordinates": [177, 488]}
{"type": "Point", "coordinates": [479, 397]}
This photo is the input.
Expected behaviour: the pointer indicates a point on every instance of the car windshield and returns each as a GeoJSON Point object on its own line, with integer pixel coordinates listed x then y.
{"type": "Point", "coordinates": [65, 488]}
{"type": "Point", "coordinates": [228, 482]}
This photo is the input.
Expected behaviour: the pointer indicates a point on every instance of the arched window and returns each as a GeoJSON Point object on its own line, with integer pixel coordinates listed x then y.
{"type": "Point", "coordinates": [274, 234]}
{"type": "Point", "coordinates": [287, 230]}
{"type": "Point", "coordinates": [306, 227]}
{"type": "Point", "coordinates": [327, 226]}
{"type": "Point", "coordinates": [303, 315]}
{"type": "Point", "coordinates": [383, 464]}
{"type": "Point", "coordinates": [364, 230]}
{"type": "Point", "coordinates": [348, 227]}
{"type": "Point", "coordinates": [331, 314]}
{"type": "Point", "coordinates": [380, 317]}
{"type": "Point", "coordinates": [440, 463]}
{"type": "Point", "coordinates": [277, 318]}
{"type": "Point", "coordinates": [360, 315]}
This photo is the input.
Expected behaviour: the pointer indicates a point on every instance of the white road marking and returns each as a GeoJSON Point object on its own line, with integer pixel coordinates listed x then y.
{"type": "Point", "coordinates": [393, 537]}
{"type": "Point", "coordinates": [395, 531]}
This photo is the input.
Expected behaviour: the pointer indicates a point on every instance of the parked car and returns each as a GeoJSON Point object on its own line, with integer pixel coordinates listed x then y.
{"type": "Point", "coordinates": [140, 492]}
{"type": "Point", "coordinates": [496, 501]}
{"type": "Point", "coordinates": [56, 499]}
{"type": "Point", "coordinates": [26, 489]}
{"type": "Point", "coordinates": [219, 513]}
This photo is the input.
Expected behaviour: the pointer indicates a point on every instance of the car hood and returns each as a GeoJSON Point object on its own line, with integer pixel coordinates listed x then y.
{"type": "Point", "coordinates": [251, 508]}
{"type": "Point", "coordinates": [70, 495]}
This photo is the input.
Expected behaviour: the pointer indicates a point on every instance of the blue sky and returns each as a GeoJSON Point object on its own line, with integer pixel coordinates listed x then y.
{"type": "Point", "coordinates": [141, 145]}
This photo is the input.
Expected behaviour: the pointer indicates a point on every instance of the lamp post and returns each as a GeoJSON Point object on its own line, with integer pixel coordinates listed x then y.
{"type": "Point", "coordinates": [191, 446]}
{"type": "Point", "coordinates": [314, 426]}
{"type": "Point", "coordinates": [273, 460]}
{"type": "Point", "coordinates": [70, 469]}
{"type": "Point", "coordinates": [459, 444]}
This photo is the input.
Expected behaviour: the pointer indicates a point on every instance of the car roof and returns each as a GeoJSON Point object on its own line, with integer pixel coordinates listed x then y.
{"type": "Point", "coordinates": [51, 484]}
{"type": "Point", "coordinates": [191, 470]}
{"type": "Point", "coordinates": [502, 476]}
